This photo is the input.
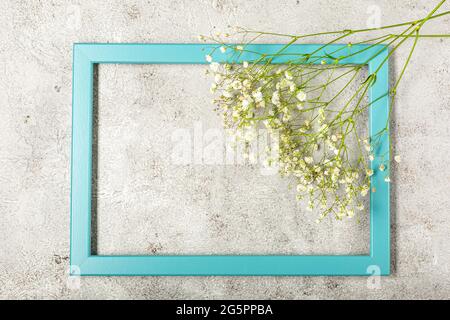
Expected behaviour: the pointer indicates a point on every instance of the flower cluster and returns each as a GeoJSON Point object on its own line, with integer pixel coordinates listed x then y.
{"type": "Point", "coordinates": [312, 146]}
{"type": "Point", "coordinates": [314, 135]}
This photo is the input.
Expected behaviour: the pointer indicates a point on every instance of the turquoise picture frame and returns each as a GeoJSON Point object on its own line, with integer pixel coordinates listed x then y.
{"type": "Point", "coordinates": [83, 262]}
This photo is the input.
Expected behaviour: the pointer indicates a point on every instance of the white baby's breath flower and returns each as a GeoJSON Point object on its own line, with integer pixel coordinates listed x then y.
{"type": "Point", "coordinates": [301, 96]}
{"type": "Point", "coordinates": [292, 87]}
{"type": "Point", "coordinates": [387, 179]}
{"type": "Point", "coordinates": [309, 160]}
{"type": "Point", "coordinates": [258, 96]}
{"type": "Point", "coordinates": [288, 75]}
{"type": "Point", "coordinates": [214, 66]}
{"type": "Point", "coordinates": [312, 146]}
{"type": "Point", "coordinates": [276, 98]}
{"type": "Point", "coordinates": [382, 167]}
{"type": "Point", "coordinates": [237, 85]}
{"type": "Point", "coordinates": [364, 191]}
{"type": "Point", "coordinates": [227, 94]}
{"type": "Point", "coordinates": [397, 158]}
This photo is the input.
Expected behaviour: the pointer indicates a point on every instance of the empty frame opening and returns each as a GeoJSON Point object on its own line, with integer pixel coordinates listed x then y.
{"type": "Point", "coordinates": [165, 181]}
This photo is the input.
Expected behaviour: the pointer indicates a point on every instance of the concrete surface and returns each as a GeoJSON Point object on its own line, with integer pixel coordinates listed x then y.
{"type": "Point", "coordinates": [146, 204]}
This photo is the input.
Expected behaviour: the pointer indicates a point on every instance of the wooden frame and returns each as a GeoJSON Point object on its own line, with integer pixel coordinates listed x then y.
{"type": "Point", "coordinates": [84, 263]}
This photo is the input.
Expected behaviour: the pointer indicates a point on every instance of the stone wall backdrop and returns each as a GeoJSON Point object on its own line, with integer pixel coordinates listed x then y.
{"type": "Point", "coordinates": [146, 204]}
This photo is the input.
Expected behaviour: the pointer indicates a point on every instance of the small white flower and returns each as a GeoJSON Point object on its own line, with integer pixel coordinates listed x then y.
{"type": "Point", "coordinates": [223, 49]}
{"type": "Point", "coordinates": [240, 48]}
{"type": "Point", "coordinates": [387, 179]}
{"type": "Point", "coordinates": [208, 58]}
{"type": "Point", "coordinates": [214, 66]}
{"type": "Point", "coordinates": [245, 64]}
{"type": "Point", "coordinates": [237, 85]}
{"type": "Point", "coordinates": [276, 98]}
{"type": "Point", "coordinates": [382, 167]}
{"type": "Point", "coordinates": [299, 106]}
{"type": "Point", "coordinates": [309, 160]}
{"type": "Point", "coordinates": [397, 158]}
{"type": "Point", "coordinates": [371, 157]}
{"type": "Point", "coordinates": [369, 172]}
{"type": "Point", "coordinates": [288, 75]}
{"type": "Point", "coordinates": [292, 87]}
{"type": "Point", "coordinates": [334, 138]}
{"type": "Point", "coordinates": [245, 103]}
{"type": "Point", "coordinates": [217, 78]}
{"type": "Point", "coordinates": [258, 96]}
{"type": "Point", "coordinates": [364, 191]}
{"type": "Point", "coordinates": [227, 94]}
{"type": "Point", "coordinates": [301, 96]}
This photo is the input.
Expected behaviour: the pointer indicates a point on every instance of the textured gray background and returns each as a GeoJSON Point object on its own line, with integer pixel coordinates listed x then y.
{"type": "Point", "coordinates": [207, 208]}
